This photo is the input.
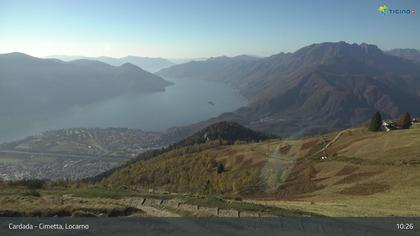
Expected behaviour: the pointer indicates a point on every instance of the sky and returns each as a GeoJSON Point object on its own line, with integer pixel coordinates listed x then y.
{"type": "Point", "coordinates": [198, 28]}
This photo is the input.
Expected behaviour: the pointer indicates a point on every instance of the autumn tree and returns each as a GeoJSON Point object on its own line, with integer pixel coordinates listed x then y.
{"type": "Point", "coordinates": [404, 121]}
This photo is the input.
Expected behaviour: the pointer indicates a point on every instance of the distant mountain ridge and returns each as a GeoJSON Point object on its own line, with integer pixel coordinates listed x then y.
{"type": "Point", "coordinates": [409, 54]}
{"type": "Point", "coordinates": [35, 84]}
{"type": "Point", "coordinates": [319, 88]}
{"type": "Point", "coordinates": [215, 68]}
{"type": "Point", "coordinates": [151, 64]}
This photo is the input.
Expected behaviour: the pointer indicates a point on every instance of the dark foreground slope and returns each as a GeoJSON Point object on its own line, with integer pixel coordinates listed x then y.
{"type": "Point", "coordinates": [319, 88]}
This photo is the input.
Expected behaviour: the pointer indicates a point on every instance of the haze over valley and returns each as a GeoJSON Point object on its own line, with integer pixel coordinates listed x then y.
{"type": "Point", "coordinates": [50, 94]}
{"type": "Point", "coordinates": [63, 95]}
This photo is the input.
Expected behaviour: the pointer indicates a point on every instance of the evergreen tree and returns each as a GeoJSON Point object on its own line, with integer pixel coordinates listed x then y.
{"type": "Point", "coordinates": [220, 168]}
{"type": "Point", "coordinates": [375, 122]}
{"type": "Point", "coordinates": [404, 121]}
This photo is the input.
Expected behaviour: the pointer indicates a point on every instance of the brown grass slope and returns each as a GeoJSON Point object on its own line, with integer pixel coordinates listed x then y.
{"type": "Point", "coordinates": [365, 173]}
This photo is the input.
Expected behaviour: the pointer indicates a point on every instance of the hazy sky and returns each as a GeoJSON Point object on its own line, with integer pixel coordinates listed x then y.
{"type": "Point", "coordinates": [198, 28]}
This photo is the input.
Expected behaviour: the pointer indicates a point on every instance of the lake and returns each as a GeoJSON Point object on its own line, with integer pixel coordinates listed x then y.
{"type": "Point", "coordinates": [185, 102]}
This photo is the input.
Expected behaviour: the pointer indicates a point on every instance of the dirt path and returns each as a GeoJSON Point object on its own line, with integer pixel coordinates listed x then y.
{"type": "Point", "coordinates": [335, 139]}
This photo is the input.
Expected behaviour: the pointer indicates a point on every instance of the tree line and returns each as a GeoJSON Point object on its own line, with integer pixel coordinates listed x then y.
{"type": "Point", "coordinates": [403, 122]}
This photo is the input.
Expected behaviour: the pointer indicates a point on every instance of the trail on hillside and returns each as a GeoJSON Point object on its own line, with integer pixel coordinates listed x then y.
{"type": "Point", "coordinates": [335, 139]}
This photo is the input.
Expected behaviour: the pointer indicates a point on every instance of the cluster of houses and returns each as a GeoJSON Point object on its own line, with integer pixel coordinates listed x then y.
{"type": "Point", "coordinates": [388, 125]}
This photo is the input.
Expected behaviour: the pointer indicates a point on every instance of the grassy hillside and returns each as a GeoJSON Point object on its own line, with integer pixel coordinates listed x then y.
{"type": "Point", "coordinates": [193, 169]}
{"type": "Point", "coordinates": [35, 198]}
{"type": "Point", "coordinates": [365, 173]}
{"type": "Point", "coordinates": [218, 134]}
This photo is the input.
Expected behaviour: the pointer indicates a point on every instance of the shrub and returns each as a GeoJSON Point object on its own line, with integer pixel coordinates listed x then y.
{"type": "Point", "coordinates": [238, 198]}
{"type": "Point", "coordinates": [29, 183]}
{"type": "Point", "coordinates": [33, 192]}
{"type": "Point", "coordinates": [404, 121]}
{"type": "Point", "coordinates": [220, 168]}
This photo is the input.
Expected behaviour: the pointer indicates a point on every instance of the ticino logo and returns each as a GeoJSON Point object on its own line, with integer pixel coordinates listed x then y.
{"type": "Point", "coordinates": [384, 9]}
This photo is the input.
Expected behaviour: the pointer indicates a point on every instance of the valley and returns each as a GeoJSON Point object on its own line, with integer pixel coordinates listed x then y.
{"type": "Point", "coordinates": [297, 146]}
{"type": "Point", "coordinates": [364, 174]}
{"type": "Point", "coordinates": [303, 99]}
{"type": "Point", "coordinates": [230, 118]}
{"type": "Point", "coordinates": [183, 103]}
{"type": "Point", "coordinates": [26, 165]}
{"type": "Point", "coordinates": [78, 153]}
{"type": "Point", "coordinates": [74, 153]}
{"type": "Point", "coordinates": [117, 142]}
{"type": "Point", "coordinates": [52, 135]}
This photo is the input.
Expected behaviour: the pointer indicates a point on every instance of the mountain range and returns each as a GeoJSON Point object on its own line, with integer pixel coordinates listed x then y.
{"type": "Point", "coordinates": [34, 84]}
{"type": "Point", "coordinates": [409, 54]}
{"type": "Point", "coordinates": [318, 88]}
{"type": "Point", "coordinates": [151, 64]}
